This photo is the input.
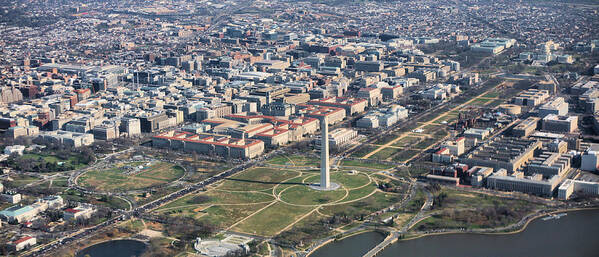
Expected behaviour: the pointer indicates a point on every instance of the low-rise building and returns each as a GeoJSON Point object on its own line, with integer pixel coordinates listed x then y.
{"type": "Point", "coordinates": [384, 117]}
{"type": "Point", "coordinates": [22, 243]}
{"type": "Point", "coordinates": [508, 153]}
{"type": "Point", "coordinates": [571, 186]}
{"type": "Point", "coordinates": [510, 109]}
{"type": "Point", "coordinates": [278, 109]}
{"type": "Point", "coordinates": [563, 124]}
{"type": "Point", "coordinates": [493, 46]}
{"type": "Point", "coordinates": [52, 201]}
{"type": "Point", "coordinates": [455, 147]}
{"type": "Point", "coordinates": [391, 92]}
{"type": "Point", "coordinates": [19, 213]}
{"type": "Point", "coordinates": [548, 85]}
{"type": "Point", "coordinates": [478, 175]}
{"type": "Point", "coordinates": [531, 97]}
{"type": "Point", "coordinates": [557, 106]}
{"type": "Point", "coordinates": [369, 66]}
{"type": "Point", "coordinates": [11, 197]}
{"type": "Point", "coordinates": [79, 212]}
{"type": "Point", "coordinates": [549, 164]}
{"type": "Point", "coordinates": [516, 181]}
{"type": "Point", "coordinates": [72, 139]}
{"type": "Point", "coordinates": [333, 114]}
{"type": "Point", "coordinates": [442, 155]}
{"type": "Point", "coordinates": [441, 91]}
{"type": "Point", "coordinates": [372, 94]}
{"type": "Point", "coordinates": [479, 134]}
{"type": "Point", "coordinates": [589, 158]}
{"type": "Point", "coordinates": [210, 144]}
{"type": "Point", "coordinates": [20, 131]}
{"type": "Point", "coordinates": [273, 137]}
{"type": "Point", "coordinates": [341, 136]}
{"type": "Point", "coordinates": [526, 127]}
{"type": "Point", "coordinates": [14, 149]}
{"type": "Point", "coordinates": [351, 105]}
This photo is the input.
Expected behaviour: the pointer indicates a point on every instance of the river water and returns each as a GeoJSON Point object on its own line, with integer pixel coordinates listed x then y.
{"type": "Point", "coordinates": [115, 248]}
{"type": "Point", "coordinates": [576, 235]}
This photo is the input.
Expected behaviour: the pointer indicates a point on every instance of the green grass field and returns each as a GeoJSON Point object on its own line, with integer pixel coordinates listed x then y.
{"type": "Point", "coordinates": [294, 160]}
{"type": "Point", "coordinates": [361, 192]}
{"type": "Point", "coordinates": [212, 166]}
{"type": "Point", "coordinates": [364, 164]}
{"type": "Point", "coordinates": [273, 219]}
{"type": "Point", "coordinates": [480, 101]}
{"type": "Point", "coordinates": [365, 206]}
{"type": "Point", "coordinates": [404, 155]}
{"type": "Point", "coordinates": [115, 179]}
{"type": "Point", "coordinates": [495, 103]}
{"type": "Point", "coordinates": [425, 143]}
{"type": "Point", "coordinates": [285, 194]}
{"type": "Point", "coordinates": [109, 201]}
{"type": "Point", "coordinates": [71, 161]}
{"type": "Point", "coordinates": [225, 216]}
{"type": "Point", "coordinates": [349, 181]}
{"type": "Point", "coordinates": [303, 195]}
{"type": "Point", "coordinates": [459, 209]}
{"type": "Point", "coordinates": [21, 180]}
{"type": "Point", "coordinates": [430, 129]}
{"type": "Point", "coordinates": [384, 153]}
{"type": "Point", "coordinates": [492, 94]}
{"type": "Point", "coordinates": [363, 151]}
{"type": "Point", "coordinates": [385, 139]}
{"type": "Point", "coordinates": [407, 141]}
{"type": "Point", "coordinates": [448, 118]}
{"type": "Point", "coordinates": [257, 179]}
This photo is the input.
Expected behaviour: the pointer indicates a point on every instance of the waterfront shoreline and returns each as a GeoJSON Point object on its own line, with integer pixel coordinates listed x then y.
{"type": "Point", "coordinates": [81, 249]}
{"type": "Point", "coordinates": [341, 238]}
{"type": "Point", "coordinates": [519, 230]}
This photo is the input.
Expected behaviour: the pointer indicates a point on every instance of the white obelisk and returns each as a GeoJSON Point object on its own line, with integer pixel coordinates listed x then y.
{"type": "Point", "coordinates": [325, 180]}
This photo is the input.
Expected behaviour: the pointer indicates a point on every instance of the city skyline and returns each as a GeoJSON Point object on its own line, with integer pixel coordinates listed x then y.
{"type": "Point", "coordinates": [285, 128]}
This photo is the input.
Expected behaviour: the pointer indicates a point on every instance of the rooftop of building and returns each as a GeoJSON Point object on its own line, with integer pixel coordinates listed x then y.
{"type": "Point", "coordinates": [16, 210]}
{"type": "Point", "coordinates": [208, 139]}
{"type": "Point", "coordinates": [503, 149]}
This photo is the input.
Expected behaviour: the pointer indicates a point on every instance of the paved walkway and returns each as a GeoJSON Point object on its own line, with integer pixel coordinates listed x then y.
{"type": "Point", "coordinates": [394, 236]}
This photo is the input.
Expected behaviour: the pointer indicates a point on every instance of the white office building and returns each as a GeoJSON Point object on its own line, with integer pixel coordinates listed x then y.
{"type": "Point", "coordinates": [570, 186]}
{"type": "Point", "coordinates": [589, 158]}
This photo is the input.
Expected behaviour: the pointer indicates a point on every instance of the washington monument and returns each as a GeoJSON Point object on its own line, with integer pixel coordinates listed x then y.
{"type": "Point", "coordinates": [325, 180]}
